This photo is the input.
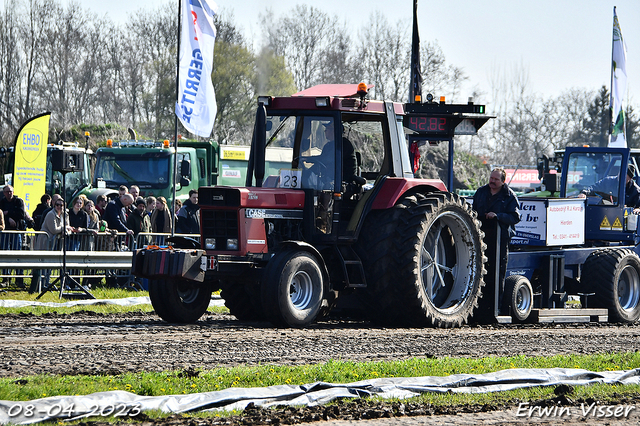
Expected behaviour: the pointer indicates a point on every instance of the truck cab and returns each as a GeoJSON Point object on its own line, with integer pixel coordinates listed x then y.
{"type": "Point", "coordinates": [150, 166]}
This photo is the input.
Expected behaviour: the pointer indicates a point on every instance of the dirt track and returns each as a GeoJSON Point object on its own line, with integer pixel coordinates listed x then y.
{"type": "Point", "coordinates": [86, 343]}
{"type": "Point", "coordinates": [90, 343]}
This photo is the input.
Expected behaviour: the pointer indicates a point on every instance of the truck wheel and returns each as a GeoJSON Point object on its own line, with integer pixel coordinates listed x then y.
{"type": "Point", "coordinates": [292, 289]}
{"type": "Point", "coordinates": [518, 297]}
{"type": "Point", "coordinates": [424, 261]}
{"type": "Point", "coordinates": [179, 301]}
{"type": "Point", "coordinates": [241, 303]}
{"type": "Point", "coordinates": [614, 276]}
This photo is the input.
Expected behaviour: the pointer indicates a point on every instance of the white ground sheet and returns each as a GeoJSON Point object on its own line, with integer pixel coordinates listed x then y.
{"type": "Point", "coordinates": [125, 403]}
{"type": "Point", "coordinates": [127, 301]}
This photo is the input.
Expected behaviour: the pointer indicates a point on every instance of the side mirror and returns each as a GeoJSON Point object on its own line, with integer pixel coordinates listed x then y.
{"type": "Point", "coordinates": [184, 181]}
{"type": "Point", "coordinates": [185, 168]}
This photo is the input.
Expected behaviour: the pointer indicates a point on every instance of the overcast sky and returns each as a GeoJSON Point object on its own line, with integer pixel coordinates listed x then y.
{"type": "Point", "coordinates": [561, 43]}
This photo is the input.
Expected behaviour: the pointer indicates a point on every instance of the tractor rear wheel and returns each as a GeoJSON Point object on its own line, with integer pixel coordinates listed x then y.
{"type": "Point", "coordinates": [292, 289]}
{"type": "Point", "coordinates": [242, 300]}
{"type": "Point", "coordinates": [424, 261]}
{"type": "Point", "coordinates": [179, 301]}
{"type": "Point", "coordinates": [518, 297]}
{"type": "Point", "coordinates": [614, 276]}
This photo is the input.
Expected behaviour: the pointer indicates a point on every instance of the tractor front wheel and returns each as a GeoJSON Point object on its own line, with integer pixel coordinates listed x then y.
{"type": "Point", "coordinates": [292, 289]}
{"type": "Point", "coordinates": [179, 301]}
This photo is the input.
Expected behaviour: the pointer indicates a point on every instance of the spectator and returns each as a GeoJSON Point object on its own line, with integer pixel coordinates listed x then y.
{"type": "Point", "coordinates": [101, 204]}
{"type": "Point", "coordinates": [15, 219]}
{"type": "Point", "coordinates": [177, 205]}
{"type": "Point", "coordinates": [115, 213]}
{"type": "Point", "coordinates": [497, 206]}
{"type": "Point", "coordinates": [189, 215]}
{"type": "Point", "coordinates": [52, 225]}
{"type": "Point", "coordinates": [38, 213]}
{"type": "Point", "coordinates": [122, 190]}
{"type": "Point", "coordinates": [160, 218]}
{"type": "Point", "coordinates": [151, 204]}
{"type": "Point", "coordinates": [78, 221]}
{"type": "Point", "coordinates": [14, 216]}
{"type": "Point", "coordinates": [93, 223]}
{"type": "Point", "coordinates": [139, 220]}
{"type": "Point", "coordinates": [135, 191]}
{"type": "Point", "coordinates": [92, 215]}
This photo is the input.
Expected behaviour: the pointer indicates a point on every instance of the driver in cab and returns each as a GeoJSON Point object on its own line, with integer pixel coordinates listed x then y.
{"type": "Point", "coordinates": [609, 185]}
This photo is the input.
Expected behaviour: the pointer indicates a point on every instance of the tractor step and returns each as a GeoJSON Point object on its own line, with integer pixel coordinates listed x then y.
{"type": "Point", "coordinates": [352, 267]}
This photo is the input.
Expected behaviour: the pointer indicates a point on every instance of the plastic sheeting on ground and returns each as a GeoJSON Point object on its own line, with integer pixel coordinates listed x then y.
{"type": "Point", "coordinates": [126, 301]}
{"type": "Point", "coordinates": [126, 403]}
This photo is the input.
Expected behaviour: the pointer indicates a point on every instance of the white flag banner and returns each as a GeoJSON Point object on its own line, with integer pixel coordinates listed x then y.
{"type": "Point", "coordinates": [196, 106]}
{"type": "Point", "coordinates": [618, 86]}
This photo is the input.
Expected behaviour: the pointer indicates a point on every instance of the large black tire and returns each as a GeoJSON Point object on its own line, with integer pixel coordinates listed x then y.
{"type": "Point", "coordinates": [242, 300]}
{"type": "Point", "coordinates": [292, 289]}
{"type": "Point", "coordinates": [179, 301]}
{"type": "Point", "coordinates": [614, 276]}
{"type": "Point", "coordinates": [423, 261]}
{"type": "Point", "coordinates": [518, 297]}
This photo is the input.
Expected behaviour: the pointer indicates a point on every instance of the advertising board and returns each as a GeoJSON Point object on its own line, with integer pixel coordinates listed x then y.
{"type": "Point", "coordinates": [550, 222]}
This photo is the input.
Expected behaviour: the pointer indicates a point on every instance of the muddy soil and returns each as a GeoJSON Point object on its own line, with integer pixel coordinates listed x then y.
{"type": "Point", "coordinates": [88, 343]}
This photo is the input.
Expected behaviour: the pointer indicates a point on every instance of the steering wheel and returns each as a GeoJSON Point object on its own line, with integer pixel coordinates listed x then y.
{"type": "Point", "coordinates": [320, 171]}
{"type": "Point", "coordinates": [605, 198]}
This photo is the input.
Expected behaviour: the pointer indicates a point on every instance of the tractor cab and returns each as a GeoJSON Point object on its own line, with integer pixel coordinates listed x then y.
{"type": "Point", "coordinates": [338, 146]}
{"type": "Point", "coordinates": [600, 175]}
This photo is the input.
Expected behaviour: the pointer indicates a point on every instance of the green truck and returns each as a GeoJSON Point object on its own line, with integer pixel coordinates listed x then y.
{"type": "Point", "coordinates": [150, 166]}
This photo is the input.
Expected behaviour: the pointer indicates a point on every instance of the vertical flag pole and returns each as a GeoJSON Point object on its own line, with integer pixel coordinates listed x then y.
{"type": "Point", "coordinates": [611, 98]}
{"type": "Point", "coordinates": [175, 132]}
{"type": "Point", "coordinates": [415, 86]}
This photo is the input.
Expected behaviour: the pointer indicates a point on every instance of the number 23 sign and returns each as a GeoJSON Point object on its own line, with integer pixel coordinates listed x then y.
{"type": "Point", "coordinates": [290, 178]}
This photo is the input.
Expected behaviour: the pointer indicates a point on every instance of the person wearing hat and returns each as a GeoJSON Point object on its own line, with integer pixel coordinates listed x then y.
{"type": "Point", "coordinates": [138, 221]}
{"type": "Point", "coordinates": [607, 188]}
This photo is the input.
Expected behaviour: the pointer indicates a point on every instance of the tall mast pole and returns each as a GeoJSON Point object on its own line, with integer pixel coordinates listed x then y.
{"type": "Point", "coordinates": [175, 132]}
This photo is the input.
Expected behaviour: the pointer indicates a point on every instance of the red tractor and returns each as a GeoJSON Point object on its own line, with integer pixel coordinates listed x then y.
{"type": "Point", "coordinates": [346, 225]}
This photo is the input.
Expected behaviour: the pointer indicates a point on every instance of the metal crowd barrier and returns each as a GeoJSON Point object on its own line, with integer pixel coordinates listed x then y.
{"type": "Point", "coordinates": [103, 255]}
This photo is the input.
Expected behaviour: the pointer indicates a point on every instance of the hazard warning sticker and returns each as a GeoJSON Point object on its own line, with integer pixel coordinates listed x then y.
{"type": "Point", "coordinates": [617, 225]}
{"type": "Point", "coordinates": [605, 225]}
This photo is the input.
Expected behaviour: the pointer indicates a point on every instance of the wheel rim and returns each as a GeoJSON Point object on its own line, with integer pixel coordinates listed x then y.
{"type": "Point", "coordinates": [187, 293]}
{"type": "Point", "coordinates": [301, 290]}
{"type": "Point", "coordinates": [447, 261]}
{"type": "Point", "coordinates": [523, 299]}
{"type": "Point", "coordinates": [629, 288]}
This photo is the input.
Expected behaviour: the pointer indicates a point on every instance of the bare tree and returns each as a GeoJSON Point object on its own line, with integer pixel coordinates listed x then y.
{"type": "Point", "coordinates": [384, 56]}
{"type": "Point", "coordinates": [71, 48]}
{"type": "Point", "coordinates": [156, 40]}
{"type": "Point", "coordinates": [31, 35]}
{"type": "Point", "coordinates": [10, 58]}
{"type": "Point", "coordinates": [301, 37]}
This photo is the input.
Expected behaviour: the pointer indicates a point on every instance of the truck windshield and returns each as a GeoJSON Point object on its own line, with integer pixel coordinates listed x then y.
{"type": "Point", "coordinates": [594, 173]}
{"type": "Point", "coordinates": [146, 170]}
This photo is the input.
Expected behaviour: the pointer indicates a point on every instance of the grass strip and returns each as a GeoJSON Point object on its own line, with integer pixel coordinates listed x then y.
{"type": "Point", "coordinates": [194, 381]}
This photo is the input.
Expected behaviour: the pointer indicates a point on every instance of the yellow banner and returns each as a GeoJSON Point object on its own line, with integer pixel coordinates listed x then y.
{"type": "Point", "coordinates": [30, 168]}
